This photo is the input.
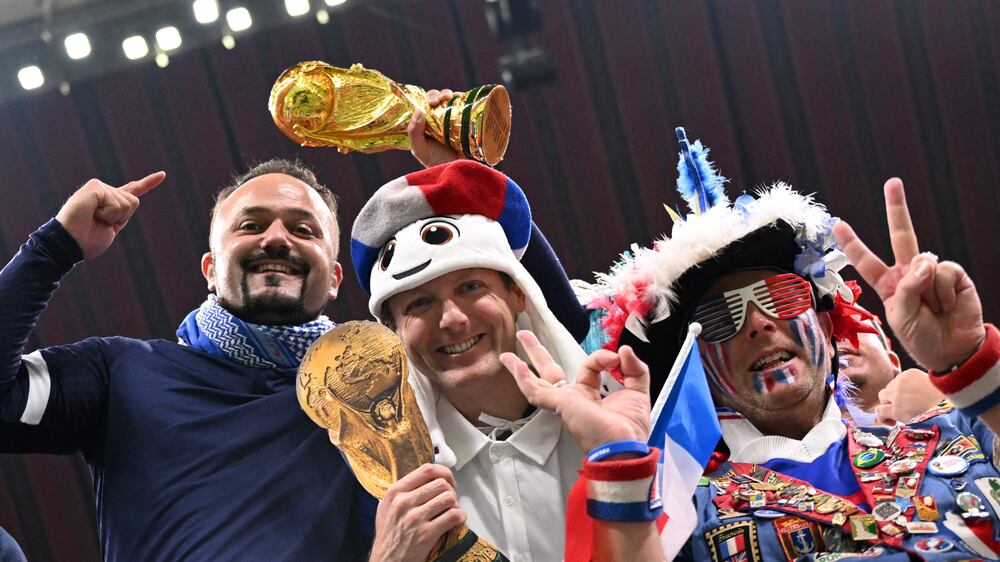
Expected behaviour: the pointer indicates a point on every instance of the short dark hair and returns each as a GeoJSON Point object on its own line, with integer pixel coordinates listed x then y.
{"type": "Point", "coordinates": [293, 168]}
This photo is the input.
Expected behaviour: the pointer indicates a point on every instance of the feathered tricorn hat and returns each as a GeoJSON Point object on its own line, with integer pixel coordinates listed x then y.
{"type": "Point", "coordinates": [649, 295]}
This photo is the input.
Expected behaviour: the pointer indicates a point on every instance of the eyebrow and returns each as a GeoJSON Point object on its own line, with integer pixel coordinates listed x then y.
{"type": "Point", "coordinates": [260, 210]}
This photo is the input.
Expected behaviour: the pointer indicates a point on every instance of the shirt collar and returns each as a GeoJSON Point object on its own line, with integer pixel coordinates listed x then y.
{"type": "Point", "coordinates": [747, 444]}
{"type": "Point", "coordinates": [536, 440]}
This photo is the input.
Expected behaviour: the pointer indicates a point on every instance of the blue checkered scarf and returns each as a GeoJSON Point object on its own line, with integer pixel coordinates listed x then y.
{"type": "Point", "coordinates": [214, 330]}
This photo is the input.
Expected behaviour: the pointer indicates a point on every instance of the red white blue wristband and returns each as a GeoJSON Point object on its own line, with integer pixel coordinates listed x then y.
{"type": "Point", "coordinates": [974, 386]}
{"type": "Point", "coordinates": [625, 490]}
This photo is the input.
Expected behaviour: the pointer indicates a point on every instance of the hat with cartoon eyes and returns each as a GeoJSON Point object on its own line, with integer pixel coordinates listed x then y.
{"type": "Point", "coordinates": [458, 215]}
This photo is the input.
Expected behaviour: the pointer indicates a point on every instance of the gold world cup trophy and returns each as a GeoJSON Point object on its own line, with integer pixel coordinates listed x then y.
{"type": "Point", "coordinates": [353, 383]}
{"type": "Point", "coordinates": [359, 109]}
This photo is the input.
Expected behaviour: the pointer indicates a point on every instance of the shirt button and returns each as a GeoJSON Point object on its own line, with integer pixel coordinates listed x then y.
{"type": "Point", "coordinates": [508, 501]}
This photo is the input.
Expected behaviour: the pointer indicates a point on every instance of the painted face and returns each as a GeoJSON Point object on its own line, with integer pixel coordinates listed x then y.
{"type": "Point", "coordinates": [770, 363]}
{"type": "Point", "coordinates": [870, 367]}
{"type": "Point", "coordinates": [455, 327]}
{"type": "Point", "coordinates": [274, 252]}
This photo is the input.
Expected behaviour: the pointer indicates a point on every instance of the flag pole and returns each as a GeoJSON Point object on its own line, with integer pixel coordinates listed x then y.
{"type": "Point", "coordinates": [694, 330]}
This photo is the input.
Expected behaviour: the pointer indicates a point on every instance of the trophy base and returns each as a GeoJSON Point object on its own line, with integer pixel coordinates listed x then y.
{"type": "Point", "coordinates": [461, 544]}
{"type": "Point", "coordinates": [496, 126]}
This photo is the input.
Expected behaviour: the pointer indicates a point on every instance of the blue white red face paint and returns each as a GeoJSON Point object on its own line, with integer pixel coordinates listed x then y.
{"type": "Point", "coordinates": [807, 334]}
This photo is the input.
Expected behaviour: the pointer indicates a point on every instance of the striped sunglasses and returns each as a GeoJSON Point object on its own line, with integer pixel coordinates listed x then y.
{"type": "Point", "coordinates": [782, 296]}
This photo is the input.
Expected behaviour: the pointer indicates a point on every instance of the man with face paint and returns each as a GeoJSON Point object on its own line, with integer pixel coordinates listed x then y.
{"type": "Point", "coordinates": [439, 251]}
{"type": "Point", "coordinates": [790, 478]}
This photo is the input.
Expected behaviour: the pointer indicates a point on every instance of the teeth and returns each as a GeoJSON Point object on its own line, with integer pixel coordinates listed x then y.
{"type": "Point", "coordinates": [776, 356]}
{"type": "Point", "coordinates": [459, 348]}
{"type": "Point", "coordinates": [273, 267]}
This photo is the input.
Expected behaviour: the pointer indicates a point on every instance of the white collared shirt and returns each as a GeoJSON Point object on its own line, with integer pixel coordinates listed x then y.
{"type": "Point", "coordinates": [747, 444]}
{"type": "Point", "coordinates": [514, 491]}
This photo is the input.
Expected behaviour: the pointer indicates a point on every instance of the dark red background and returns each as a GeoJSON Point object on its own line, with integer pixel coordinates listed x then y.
{"type": "Point", "coordinates": [833, 97]}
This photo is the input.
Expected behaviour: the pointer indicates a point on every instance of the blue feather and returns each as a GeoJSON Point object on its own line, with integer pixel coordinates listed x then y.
{"type": "Point", "coordinates": [699, 183]}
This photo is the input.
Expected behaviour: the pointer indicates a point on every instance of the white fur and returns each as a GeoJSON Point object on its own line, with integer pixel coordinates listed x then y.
{"type": "Point", "coordinates": [697, 239]}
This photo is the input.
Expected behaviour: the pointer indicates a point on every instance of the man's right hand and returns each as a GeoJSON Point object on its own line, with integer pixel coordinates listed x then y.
{"type": "Point", "coordinates": [95, 214]}
{"type": "Point", "coordinates": [416, 511]}
{"type": "Point", "coordinates": [426, 150]}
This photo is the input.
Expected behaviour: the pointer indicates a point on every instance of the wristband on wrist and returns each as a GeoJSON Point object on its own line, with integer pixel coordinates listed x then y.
{"type": "Point", "coordinates": [624, 491]}
{"type": "Point", "coordinates": [974, 386]}
{"type": "Point", "coordinates": [616, 448]}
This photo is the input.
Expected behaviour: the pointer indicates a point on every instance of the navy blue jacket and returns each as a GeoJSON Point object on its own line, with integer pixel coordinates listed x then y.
{"type": "Point", "coordinates": [194, 457]}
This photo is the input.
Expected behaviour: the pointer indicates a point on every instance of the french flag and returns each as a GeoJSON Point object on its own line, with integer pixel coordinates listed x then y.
{"type": "Point", "coordinates": [686, 428]}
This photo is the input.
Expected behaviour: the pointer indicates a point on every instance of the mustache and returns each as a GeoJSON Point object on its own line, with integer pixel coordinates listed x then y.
{"type": "Point", "coordinates": [283, 254]}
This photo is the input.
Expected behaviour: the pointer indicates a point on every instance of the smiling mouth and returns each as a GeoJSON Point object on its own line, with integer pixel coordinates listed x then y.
{"type": "Point", "coordinates": [772, 361]}
{"type": "Point", "coordinates": [274, 268]}
{"type": "Point", "coordinates": [461, 347]}
{"type": "Point", "coordinates": [413, 271]}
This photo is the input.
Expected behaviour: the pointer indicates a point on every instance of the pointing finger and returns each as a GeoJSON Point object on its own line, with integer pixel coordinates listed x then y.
{"type": "Point", "coordinates": [141, 187]}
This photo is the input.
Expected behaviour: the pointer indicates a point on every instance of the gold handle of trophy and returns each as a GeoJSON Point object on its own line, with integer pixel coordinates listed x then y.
{"type": "Point", "coordinates": [352, 381]}
{"type": "Point", "coordinates": [359, 109]}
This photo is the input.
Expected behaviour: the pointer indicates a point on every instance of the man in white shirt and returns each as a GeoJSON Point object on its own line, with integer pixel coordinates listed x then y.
{"type": "Point", "coordinates": [439, 251]}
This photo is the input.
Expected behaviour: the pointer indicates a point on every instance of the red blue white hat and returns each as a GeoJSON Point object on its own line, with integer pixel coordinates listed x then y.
{"type": "Point", "coordinates": [457, 188]}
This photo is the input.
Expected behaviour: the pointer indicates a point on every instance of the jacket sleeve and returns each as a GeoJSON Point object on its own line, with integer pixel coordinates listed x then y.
{"type": "Point", "coordinates": [48, 398]}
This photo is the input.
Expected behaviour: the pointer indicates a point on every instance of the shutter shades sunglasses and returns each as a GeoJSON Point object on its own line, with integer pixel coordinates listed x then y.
{"type": "Point", "coordinates": [782, 296]}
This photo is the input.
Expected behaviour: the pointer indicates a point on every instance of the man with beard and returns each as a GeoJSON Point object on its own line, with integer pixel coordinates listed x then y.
{"type": "Point", "coordinates": [790, 478]}
{"type": "Point", "coordinates": [197, 447]}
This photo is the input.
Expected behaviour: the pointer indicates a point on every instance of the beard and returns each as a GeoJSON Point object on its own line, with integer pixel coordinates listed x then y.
{"type": "Point", "coordinates": [270, 308]}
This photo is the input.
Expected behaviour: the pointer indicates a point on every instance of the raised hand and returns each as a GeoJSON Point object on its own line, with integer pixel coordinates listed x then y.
{"type": "Point", "coordinates": [415, 512]}
{"type": "Point", "coordinates": [933, 308]}
{"type": "Point", "coordinates": [908, 395]}
{"type": "Point", "coordinates": [97, 212]}
{"type": "Point", "coordinates": [592, 420]}
{"type": "Point", "coordinates": [426, 150]}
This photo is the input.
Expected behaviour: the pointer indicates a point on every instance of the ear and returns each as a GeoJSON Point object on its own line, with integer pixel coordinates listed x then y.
{"type": "Point", "coordinates": [826, 324]}
{"type": "Point", "coordinates": [208, 269]}
{"type": "Point", "coordinates": [520, 301]}
{"type": "Point", "coordinates": [897, 365]}
{"type": "Point", "coordinates": [338, 276]}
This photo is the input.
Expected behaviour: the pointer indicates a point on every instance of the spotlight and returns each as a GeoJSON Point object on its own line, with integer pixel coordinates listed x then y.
{"type": "Point", "coordinates": [64, 88]}
{"type": "Point", "coordinates": [323, 17]}
{"type": "Point", "coordinates": [206, 11]}
{"type": "Point", "coordinates": [77, 46]}
{"type": "Point", "coordinates": [30, 77]}
{"type": "Point", "coordinates": [228, 41]}
{"type": "Point", "coordinates": [135, 47]}
{"type": "Point", "coordinates": [297, 7]}
{"type": "Point", "coordinates": [334, 2]}
{"type": "Point", "coordinates": [162, 60]}
{"type": "Point", "coordinates": [239, 19]}
{"type": "Point", "coordinates": [168, 38]}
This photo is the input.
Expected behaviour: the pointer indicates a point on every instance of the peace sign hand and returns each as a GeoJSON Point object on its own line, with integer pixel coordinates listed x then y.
{"type": "Point", "coordinates": [591, 419]}
{"type": "Point", "coordinates": [933, 308]}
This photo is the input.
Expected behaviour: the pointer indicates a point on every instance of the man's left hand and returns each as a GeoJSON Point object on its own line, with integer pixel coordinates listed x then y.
{"type": "Point", "coordinates": [933, 308]}
{"type": "Point", "coordinates": [591, 419]}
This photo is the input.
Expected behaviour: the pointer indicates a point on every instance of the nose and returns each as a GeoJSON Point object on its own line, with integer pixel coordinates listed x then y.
{"type": "Point", "coordinates": [758, 322]}
{"type": "Point", "coordinates": [452, 316]}
{"type": "Point", "coordinates": [275, 236]}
